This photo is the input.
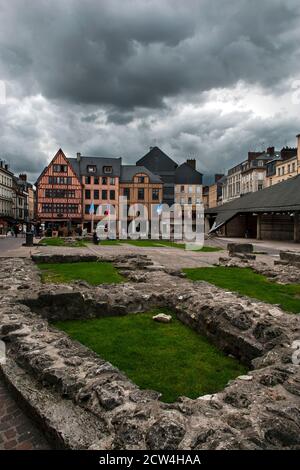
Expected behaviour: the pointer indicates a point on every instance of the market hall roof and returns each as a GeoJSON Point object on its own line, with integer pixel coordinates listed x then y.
{"type": "Point", "coordinates": [282, 197]}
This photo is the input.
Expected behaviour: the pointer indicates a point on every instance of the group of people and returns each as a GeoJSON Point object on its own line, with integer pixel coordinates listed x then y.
{"type": "Point", "coordinates": [22, 229]}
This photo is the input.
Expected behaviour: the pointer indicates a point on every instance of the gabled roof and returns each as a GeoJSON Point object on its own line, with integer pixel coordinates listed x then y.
{"type": "Point", "coordinates": [128, 172]}
{"type": "Point", "coordinates": [59, 152]}
{"type": "Point", "coordinates": [282, 197]}
{"type": "Point", "coordinates": [80, 167]}
{"type": "Point", "coordinates": [157, 161]}
{"type": "Point", "coordinates": [185, 174]}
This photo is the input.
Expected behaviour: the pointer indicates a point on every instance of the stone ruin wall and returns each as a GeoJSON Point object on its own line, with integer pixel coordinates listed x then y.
{"type": "Point", "coordinates": [82, 401]}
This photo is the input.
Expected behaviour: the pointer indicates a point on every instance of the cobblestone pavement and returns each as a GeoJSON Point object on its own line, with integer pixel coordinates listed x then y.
{"type": "Point", "coordinates": [17, 432]}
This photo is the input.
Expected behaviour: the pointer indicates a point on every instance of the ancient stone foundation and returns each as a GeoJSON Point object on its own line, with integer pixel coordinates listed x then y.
{"type": "Point", "coordinates": [84, 402]}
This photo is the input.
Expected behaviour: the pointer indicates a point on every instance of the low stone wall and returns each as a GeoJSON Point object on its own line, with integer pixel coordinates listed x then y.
{"type": "Point", "coordinates": [290, 257]}
{"type": "Point", "coordinates": [256, 411]}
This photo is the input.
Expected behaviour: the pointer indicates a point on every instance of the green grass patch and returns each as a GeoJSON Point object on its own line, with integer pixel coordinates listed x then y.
{"type": "Point", "coordinates": [170, 358]}
{"type": "Point", "coordinates": [56, 241]}
{"type": "Point", "coordinates": [92, 272]}
{"type": "Point", "coordinates": [247, 282]}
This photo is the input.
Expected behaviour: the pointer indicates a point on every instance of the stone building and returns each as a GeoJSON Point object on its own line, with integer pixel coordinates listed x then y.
{"type": "Point", "coordinates": [6, 198]}
{"type": "Point", "coordinates": [248, 176]}
{"type": "Point", "coordinates": [140, 186]}
{"type": "Point", "coordinates": [188, 184]}
{"type": "Point", "coordinates": [284, 166]}
{"type": "Point", "coordinates": [231, 188]}
{"type": "Point", "coordinates": [29, 192]}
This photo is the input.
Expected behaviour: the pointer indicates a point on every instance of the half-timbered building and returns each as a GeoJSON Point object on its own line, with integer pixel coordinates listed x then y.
{"type": "Point", "coordinates": [59, 195]}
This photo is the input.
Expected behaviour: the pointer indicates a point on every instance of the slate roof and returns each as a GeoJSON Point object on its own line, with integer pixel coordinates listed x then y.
{"type": "Point", "coordinates": [282, 197]}
{"type": "Point", "coordinates": [80, 168]}
{"type": "Point", "coordinates": [157, 161]}
{"type": "Point", "coordinates": [128, 172]}
{"type": "Point", "coordinates": [185, 174]}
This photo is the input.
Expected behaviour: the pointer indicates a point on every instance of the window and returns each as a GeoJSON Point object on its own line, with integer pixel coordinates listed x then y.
{"type": "Point", "coordinates": [60, 208]}
{"type": "Point", "coordinates": [60, 168]}
{"type": "Point", "coordinates": [282, 170]}
{"type": "Point", "coordinates": [141, 194]}
{"type": "Point", "coordinates": [107, 169]}
{"type": "Point", "coordinates": [278, 171]}
{"type": "Point", "coordinates": [293, 166]}
{"type": "Point", "coordinates": [141, 179]}
{"type": "Point", "coordinates": [198, 200]}
{"type": "Point", "coordinates": [96, 180]}
{"type": "Point", "coordinates": [112, 180]}
{"type": "Point", "coordinates": [96, 194]}
{"type": "Point", "coordinates": [260, 186]}
{"type": "Point", "coordinates": [112, 194]}
{"type": "Point", "coordinates": [182, 189]}
{"type": "Point", "coordinates": [104, 180]}
{"type": "Point", "coordinates": [60, 180]}
{"type": "Point", "coordinates": [91, 168]}
{"type": "Point", "coordinates": [87, 180]}
{"type": "Point", "coordinates": [104, 194]}
{"type": "Point", "coordinates": [87, 194]}
{"type": "Point", "coordinates": [155, 194]}
{"type": "Point", "coordinates": [198, 190]}
{"type": "Point", "coordinates": [190, 189]}
{"type": "Point", "coordinates": [126, 192]}
{"type": "Point", "coordinates": [289, 168]}
{"type": "Point", "coordinates": [189, 200]}
{"type": "Point", "coordinates": [60, 193]}
{"type": "Point", "coordinates": [87, 209]}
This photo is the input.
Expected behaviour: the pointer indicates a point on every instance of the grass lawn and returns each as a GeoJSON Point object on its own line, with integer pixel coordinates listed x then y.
{"type": "Point", "coordinates": [93, 272]}
{"type": "Point", "coordinates": [156, 244]}
{"type": "Point", "coordinates": [56, 241]}
{"type": "Point", "coordinates": [247, 282]}
{"type": "Point", "coordinates": [170, 358]}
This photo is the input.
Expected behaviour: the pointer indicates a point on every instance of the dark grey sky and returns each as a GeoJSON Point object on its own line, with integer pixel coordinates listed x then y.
{"type": "Point", "coordinates": [210, 79]}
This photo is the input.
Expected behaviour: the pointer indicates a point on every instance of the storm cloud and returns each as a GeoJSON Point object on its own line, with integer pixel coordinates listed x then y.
{"type": "Point", "coordinates": [204, 78]}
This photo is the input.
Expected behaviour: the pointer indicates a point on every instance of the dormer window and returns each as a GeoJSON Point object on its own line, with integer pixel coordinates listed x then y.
{"type": "Point", "coordinates": [60, 168]}
{"type": "Point", "coordinates": [107, 169]}
{"type": "Point", "coordinates": [141, 179]}
{"type": "Point", "coordinates": [91, 168]}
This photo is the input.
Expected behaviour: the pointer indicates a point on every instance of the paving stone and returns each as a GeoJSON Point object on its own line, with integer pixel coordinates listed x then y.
{"type": "Point", "coordinates": [17, 431]}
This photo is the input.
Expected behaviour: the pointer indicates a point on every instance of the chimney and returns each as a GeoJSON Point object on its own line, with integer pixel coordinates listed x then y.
{"type": "Point", "coordinates": [78, 156]}
{"type": "Point", "coordinates": [191, 162]}
{"type": "Point", "coordinates": [23, 177]}
{"type": "Point", "coordinates": [271, 150]}
{"type": "Point", "coordinates": [6, 166]}
{"type": "Point", "coordinates": [218, 176]}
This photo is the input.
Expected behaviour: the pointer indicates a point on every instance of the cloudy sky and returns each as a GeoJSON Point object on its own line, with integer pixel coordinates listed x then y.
{"type": "Point", "coordinates": [210, 79]}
